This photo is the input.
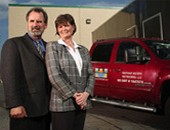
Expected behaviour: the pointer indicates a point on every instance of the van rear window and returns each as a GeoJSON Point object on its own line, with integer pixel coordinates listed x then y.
{"type": "Point", "coordinates": [102, 52]}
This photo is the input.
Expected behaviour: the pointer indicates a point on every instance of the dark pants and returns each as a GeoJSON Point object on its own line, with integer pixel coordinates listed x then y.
{"type": "Point", "coordinates": [72, 120]}
{"type": "Point", "coordinates": [33, 123]}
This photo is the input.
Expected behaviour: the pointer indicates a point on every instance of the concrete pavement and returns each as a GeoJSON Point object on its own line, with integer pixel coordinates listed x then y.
{"type": "Point", "coordinates": [95, 119]}
{"type": "Point", "coordinates": [3, 119]}
{"type": "Point", "coordinates": [93, 122]}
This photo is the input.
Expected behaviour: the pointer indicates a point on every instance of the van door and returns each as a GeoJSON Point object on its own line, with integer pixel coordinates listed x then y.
{"type": "Point", "coordinates": [100, 58]}
{"type": "Point", "coordinates": [129, 73]}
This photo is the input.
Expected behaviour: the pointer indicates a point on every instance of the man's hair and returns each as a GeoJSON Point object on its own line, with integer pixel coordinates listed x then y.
{"type": "Point", "coordinates": [38, 10]}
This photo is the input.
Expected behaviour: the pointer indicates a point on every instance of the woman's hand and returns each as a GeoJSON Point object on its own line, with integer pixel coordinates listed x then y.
{"type": "Point", "coordinates": [81, 99]}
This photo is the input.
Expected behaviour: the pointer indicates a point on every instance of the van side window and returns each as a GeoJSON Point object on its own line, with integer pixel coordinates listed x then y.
{"type": "Point", "coordinates": [102, 52]}
{"type": "Point", "coordinates": [131, 52]}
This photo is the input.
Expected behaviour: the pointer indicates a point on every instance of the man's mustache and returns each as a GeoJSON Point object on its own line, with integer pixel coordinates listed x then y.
{"type": "Point", "coordinates": [35, 27]}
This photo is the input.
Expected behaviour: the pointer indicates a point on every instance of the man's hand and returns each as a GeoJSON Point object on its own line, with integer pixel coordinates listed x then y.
{"type": "Point", "coordinates": [18, 112]}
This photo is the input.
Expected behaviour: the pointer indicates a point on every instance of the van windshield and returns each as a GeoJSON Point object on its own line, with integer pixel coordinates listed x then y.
{"type": "Point", "coordinates": [160, 48]}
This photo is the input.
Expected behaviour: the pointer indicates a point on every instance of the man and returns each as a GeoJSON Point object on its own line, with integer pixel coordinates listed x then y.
{"type": "Point", "coordinates": [24, 76]}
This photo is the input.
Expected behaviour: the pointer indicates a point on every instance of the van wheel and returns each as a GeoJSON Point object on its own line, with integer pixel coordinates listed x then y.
{"type": "Point", "coordinates": [167, 108]}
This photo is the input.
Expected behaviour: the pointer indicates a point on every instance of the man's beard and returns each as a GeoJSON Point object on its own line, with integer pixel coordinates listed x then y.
{"type": "Point", "coordinates": [36, 31]}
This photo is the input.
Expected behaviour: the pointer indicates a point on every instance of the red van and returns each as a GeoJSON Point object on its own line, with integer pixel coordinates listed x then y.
{"type": "Point", "coordinates": [132, 72]}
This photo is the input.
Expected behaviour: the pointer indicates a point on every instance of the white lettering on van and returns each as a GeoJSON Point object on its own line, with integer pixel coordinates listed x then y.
{"type": "Point", "coordinates": [131, 77]}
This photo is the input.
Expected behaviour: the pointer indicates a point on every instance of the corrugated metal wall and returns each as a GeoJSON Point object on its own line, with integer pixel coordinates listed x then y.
{"type": "Point", "coordinates": [141, 18]}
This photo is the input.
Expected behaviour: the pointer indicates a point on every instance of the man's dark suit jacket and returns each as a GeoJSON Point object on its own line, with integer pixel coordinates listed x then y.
{"type": "Point", "coordinates": [24, 76]}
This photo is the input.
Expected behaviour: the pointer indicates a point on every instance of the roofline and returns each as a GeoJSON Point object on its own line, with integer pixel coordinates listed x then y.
{"type": "Point", "coordinates": [62, 6]}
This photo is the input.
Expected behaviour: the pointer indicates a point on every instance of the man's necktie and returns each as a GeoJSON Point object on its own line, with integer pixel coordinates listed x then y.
{"type": "Point", "coordinates": [40, 49]}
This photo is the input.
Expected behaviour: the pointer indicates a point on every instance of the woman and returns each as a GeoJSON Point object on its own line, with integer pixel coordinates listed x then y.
{"type": "Point", "coordinates": [71, 75]}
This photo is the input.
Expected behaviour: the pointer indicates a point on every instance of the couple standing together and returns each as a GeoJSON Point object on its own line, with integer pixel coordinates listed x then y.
{"type": "Point", "coordinates": [61, 80]}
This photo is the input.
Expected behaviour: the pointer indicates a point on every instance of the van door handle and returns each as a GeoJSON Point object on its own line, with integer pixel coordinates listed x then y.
{"type": "Point", "coordinates": [118, 69]}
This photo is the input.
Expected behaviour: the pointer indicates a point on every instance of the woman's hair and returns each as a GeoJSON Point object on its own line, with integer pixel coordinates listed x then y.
{"type": "Point", "coordinates": [64, 19]}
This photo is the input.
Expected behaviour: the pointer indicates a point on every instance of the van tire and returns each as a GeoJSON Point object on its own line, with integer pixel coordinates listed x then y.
{"type": "Point", "coordinates": [167, 108]}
